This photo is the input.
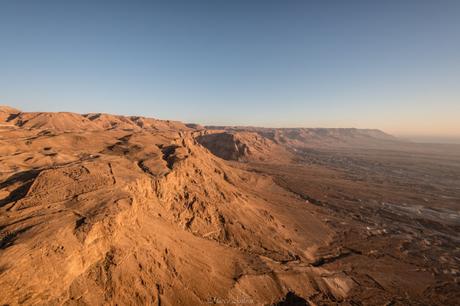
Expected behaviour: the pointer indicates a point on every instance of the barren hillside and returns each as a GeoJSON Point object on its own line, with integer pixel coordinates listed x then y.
{"type": "Point", "coordinates": [102, 209]}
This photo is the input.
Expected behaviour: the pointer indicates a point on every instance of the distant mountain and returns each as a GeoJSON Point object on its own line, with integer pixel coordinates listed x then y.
{"type": "Point", "coordinates": [318, 137]}
{"type": "Point", "coordinates": [7, 112]}
{"type": "Point", "coordinates": [67, 121]}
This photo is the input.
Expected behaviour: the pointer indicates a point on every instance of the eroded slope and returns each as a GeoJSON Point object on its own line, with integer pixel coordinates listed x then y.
{"type": "Point", "coordinates": [148, 216]}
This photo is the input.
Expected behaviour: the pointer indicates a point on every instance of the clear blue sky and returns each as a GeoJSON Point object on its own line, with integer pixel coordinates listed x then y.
{"type": "Point", "coordinates": [393, 65]}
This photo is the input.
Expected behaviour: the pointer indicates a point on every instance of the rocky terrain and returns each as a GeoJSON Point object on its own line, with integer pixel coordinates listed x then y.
{"type": "Point", "coordinates": [99, 209]}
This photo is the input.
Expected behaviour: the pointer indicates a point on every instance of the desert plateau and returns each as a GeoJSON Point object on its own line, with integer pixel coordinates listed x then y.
{"type": "Point", "coordinates": [100, 209]}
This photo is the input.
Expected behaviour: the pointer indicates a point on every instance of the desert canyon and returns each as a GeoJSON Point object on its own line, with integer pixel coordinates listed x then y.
{"type": "Point", "coordinates": [100, 209]}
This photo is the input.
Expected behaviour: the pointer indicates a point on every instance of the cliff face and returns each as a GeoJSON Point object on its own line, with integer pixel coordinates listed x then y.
{"type": "Point", "coordinates": [317, 137]}
{"type": "Point", "coordinates": [243, 146]}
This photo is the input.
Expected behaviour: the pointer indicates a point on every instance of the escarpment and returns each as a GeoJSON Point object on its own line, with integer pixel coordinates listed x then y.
{"type": "Point", "coordinates": [148, 216]}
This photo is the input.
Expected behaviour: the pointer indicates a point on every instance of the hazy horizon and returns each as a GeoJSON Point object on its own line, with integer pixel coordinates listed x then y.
{"type": "Point", "coordinates": [391, 66]}
{"type": "Point", "coordinates": [442, 139]}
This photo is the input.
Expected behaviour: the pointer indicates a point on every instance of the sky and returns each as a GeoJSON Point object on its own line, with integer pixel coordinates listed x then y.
{"type": "Point", "coordinates": [391, 65]}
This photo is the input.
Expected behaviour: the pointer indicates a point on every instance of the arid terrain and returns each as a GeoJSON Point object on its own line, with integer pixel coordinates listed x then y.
{"type": "Point", "coordinates": [99, 209]}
